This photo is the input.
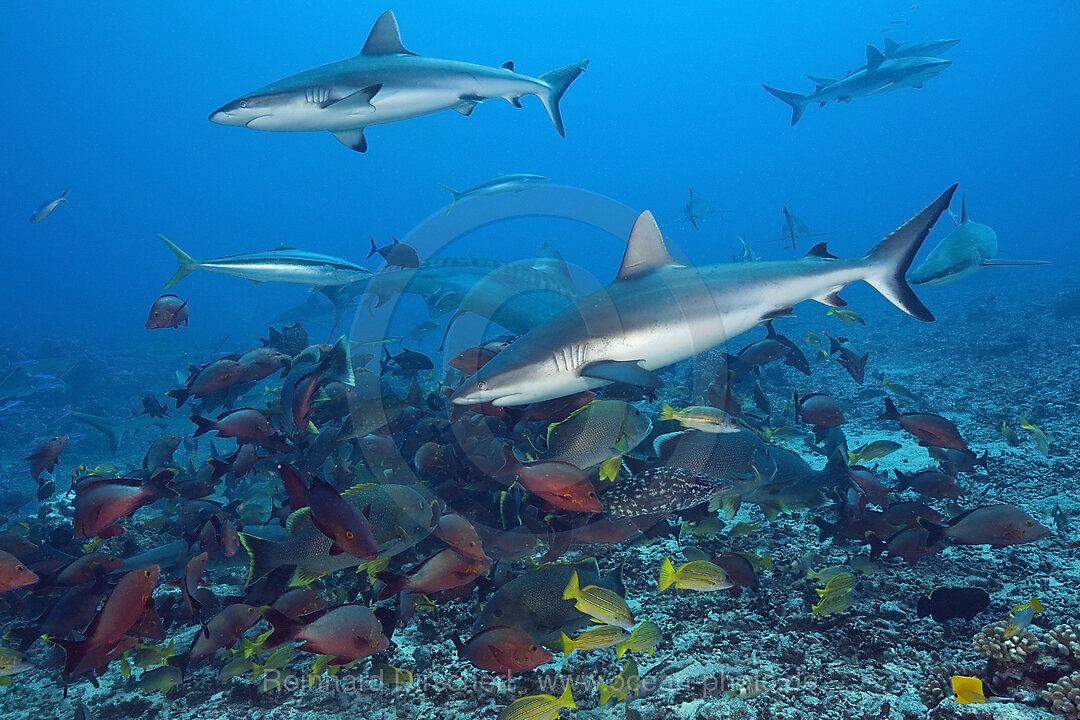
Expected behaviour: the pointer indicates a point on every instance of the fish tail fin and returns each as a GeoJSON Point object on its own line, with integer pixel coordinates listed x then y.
{"type": "Point", "coordinates": [568, 645]}
{"type": "Point", "coordinates": [891, 413]}
{"type": "Point", "coordinates": [566, 700]}
{"type": "Point", "coordinates": [63, 196]}
{"type": "Point", "coordinates": [666, 412]}
{"type": "Point", "coordinates": [74, 651]}
{"type": "Point", "coordinates": [285, 628]}
{"type": "Point", "coordinates": [180, 662]}
{"type": "Point", "coordinates": [203, 425]}
{"type": "Point", "coordinates": [455, 195]}
{"type": "Point", "coordinates": [903, 482]}
{"type": "Point", "coordinates": [667, 575]}
{"type": "Point", "coordinates": [373, 249]}
{"type": "Point", "coordinates": [557, 81]}
{"type": "Point", "coordinates": [620, 649]}
{"type": "Point", "coordinates": [162, 483]}
{"type": "Point", "coordinates": [180, 395]}
{"type": "Point", "coordinates": [262, 556]}
{"type": "Point", "coordinates": [606, 693]}
{"type": "Point", "coordinates": [890, 259]}
{"type": "Point", "coordinates": [339, 363]}
{"type": "Point", "coordinates": [935, 533]}
{"type": "Point", "coordinates": [186, 263]}
{"type": "Point", "coordinates": [572, 591]}
{"type": "Point", "coordinates": [795, 100]}
{"type": "Point", "coordinates": [394, 584]}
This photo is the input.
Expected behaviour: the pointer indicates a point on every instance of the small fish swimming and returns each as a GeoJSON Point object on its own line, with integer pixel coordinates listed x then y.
{"type": "Point", "coordinates": [1011, 438]}
{"type": "Point", "coordinates": [396, 254]}
{"type": "Point", "coordinates": [538, 707]}
{"type": "Point", "coordinates": [848, 317]}
{"type": "Point", "coordinates": [643, 639]}
{"type": "Point", "coordinates": [701, 417]}
{"type": "Point", "coordinates": [162, 679]}
{"type": "Point", "coordinates": [390, 675]}
{"type": "Point", "coordinates": [46, 208]}
{"type": "Point", "coordinates": [700, 575]}
{"type": "Point", "coordinates": [599, 603]}
{"type": "Point", "coordinates": [946, 603]}
{"type": "Point", "coordinates": [1042, 440]}
{"type": "Point", "coordinates": [1021, 615]}
{"type": "Point", "coordinates": [594, 639]}
{"type": "Point", "coordinates": [495, 186]}
{"type": "Point", "coordinates": [623, 684]}
{"type": "Point", "coordinates": [12, 662]}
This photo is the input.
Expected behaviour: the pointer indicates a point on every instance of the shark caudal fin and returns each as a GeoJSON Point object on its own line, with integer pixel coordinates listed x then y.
{"type": "Point", "coordinates": [795, 100]}
{"type": "Point", "coordinates": [186, 263]}
{"type": "Point", "coordinates": [557, 81]}
{"type": "Point", "coordinates": [891, 258]}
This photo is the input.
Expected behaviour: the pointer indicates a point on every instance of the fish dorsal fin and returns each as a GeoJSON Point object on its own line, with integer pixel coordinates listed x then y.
{"type": "Point", "coordinates": [821, 250]}
{"type": "Point", "coordinates": [508, 65]}
{"type": "Point", "coordinates": [891, 46]}
{"type": "Point", "coordinates": [963, 209]}
{"type": "Point", "coordinates": [873, 56]}
{"type": "Point", "coordinates": [384, 38]}
{"type": "Point", "coordinates": [645, 250]}
{"type": "Point", "coordinates": [551, 261]}
{"type": "Point", "coordinates": [301, 515]}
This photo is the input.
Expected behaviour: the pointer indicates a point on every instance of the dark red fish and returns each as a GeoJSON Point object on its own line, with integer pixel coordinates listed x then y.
{"type": "Point", "coordinates": [13, 573]}
{"type": "Point", "coordinates": [932, 483]}
{"type": "Point", "coordinates": [349, 632]}
{"type": "Point", "coordinates": [188, 583]}
{"type": "Point", "coordinates": [245, 425]}
{"type": "Point", "coordinates": [341, 521]}
{"type": "Point", "coordinates": [994, 525]}
{"type": "Point", "coordinates": [100, 503]}
{"type": "Point", "coordinates": [45, 455]}
{"type": "Point", "coordinates": [820, 410]}
{"type": "Point", "coordinates": [88, 568]}
{"type": "Point", "coordinates": [160, 453]}
{"type": "Point", "coordinates": [472, 359]}
{"type": "Point", "coordinates": [459, 534]}
{"type": "Point", "coordinates": [215, 377]}
{"type": "Point", "coordinates": [931, 430]}
{"type": "Point", "coordinates": [562, 485]}
{"type": "Point", "coordinates": [867, 482]}
{"type": "Point", "coordinates": [108, 631]}
{"type": "Point", "coordinates": [444, 570]}
{"type": "Point", "coordinates": [503, 650]}
{"type": "Point", "coordinates": [260, 363]}
{"type": "Point", "coordinates": [739, 571]}
{"type": "Point", "coordinates": [168, 311]}
{"type": "Point", "coordinates": [298, 602]}
{"type": "Point", "coordinates": [225, 629]}
{"type": "Point", "coordinates": [846, 355]}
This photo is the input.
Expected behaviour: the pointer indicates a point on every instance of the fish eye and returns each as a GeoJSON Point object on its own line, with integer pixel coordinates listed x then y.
{"type": "Point", "coordinates": [19, 568]}
{"type": "Point", "coordinates": [497, 613]}
{"type": "Point", "coordinates": [243, 103]}
{"type": "Point", "coordinates": [481, 385]}
{"type": "Point", "coordinates": [1028, 523]}
{"type": "Point", "coordinates": [532, 648]}
{"type": "Point", "coordinates": [349, 534]}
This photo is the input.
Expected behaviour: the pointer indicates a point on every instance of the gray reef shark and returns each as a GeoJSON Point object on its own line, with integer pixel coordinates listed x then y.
{"type": "Point", "coordinates": [880, 75]}
{"type": "Point", "coordinates": [658, 311]}
{"type": "Point", "coordinates": [515, 296]}
{"type": "Point", "coordinates": [963, 252]}
{"type": "Point", "coordinates": [697, 209]}
{"type": "Point", "coordinates": [386, 83]}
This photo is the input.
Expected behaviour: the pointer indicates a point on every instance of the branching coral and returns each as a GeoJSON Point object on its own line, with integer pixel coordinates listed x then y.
{"type": "Point", "coordinates": [1064, 696]}
{"type": "Point", "coordinates": [991, 642]}
{"type": "Point", "coordinates": [1063, 641]}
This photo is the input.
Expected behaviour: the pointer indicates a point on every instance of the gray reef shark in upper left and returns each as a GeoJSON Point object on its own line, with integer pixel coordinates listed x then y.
{"type": "Point", "coordinates": [966, 250]}
{"type": "Point", "coordinates": [386, 83]}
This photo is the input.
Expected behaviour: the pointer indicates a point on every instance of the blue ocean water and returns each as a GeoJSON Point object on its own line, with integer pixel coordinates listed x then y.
{"type": "Point", "coordinates": [114, 102]}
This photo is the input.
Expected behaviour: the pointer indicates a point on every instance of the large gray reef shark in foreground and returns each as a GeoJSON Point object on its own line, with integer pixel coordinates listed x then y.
{"type": "Point", "coordinates": [386, 83]}
{"type": "Point", "coordinates": [880, 75]}
{"type": "Point", "coordinates": [963, 252]}
{"type": "Point", "coordinates": [658, 311]}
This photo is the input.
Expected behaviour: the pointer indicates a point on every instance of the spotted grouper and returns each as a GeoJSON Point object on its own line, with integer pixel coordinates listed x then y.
{"type": "Point", "coordinates": [660, 491]}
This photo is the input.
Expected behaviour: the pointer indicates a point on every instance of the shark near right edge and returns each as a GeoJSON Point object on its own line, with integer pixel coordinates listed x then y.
{"type": "Point", "coordinates": [658, 311]}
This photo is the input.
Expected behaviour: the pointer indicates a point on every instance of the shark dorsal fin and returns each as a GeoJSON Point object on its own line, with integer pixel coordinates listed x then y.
{"type": "Point", "coordinates": [821, 250]}
{"type": "Point", "coordinates": [508, 65]}
{"type": "Point", "coordinates": [551, 261]}
{"type": "Point", "coordinates": [384, 38]}
{"type": "Point", "coordinates": [963, 209]}
{"type": "Point", "coordinates": [891, 46]}
{"type": "Point", "coordinates": [645, 249]}
{"type": "Point", "coordinates": [873, 56]}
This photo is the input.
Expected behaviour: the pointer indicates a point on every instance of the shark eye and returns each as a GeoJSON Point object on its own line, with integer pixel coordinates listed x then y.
{"type": "Point", "coordinates": [481, 385]}
{"type": "Point", "coordinates": [243, 103]}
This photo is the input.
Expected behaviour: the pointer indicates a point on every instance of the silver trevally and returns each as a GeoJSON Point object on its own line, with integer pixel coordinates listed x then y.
{"type": "Point", "coordinates": [284, 264]}
{"type": "Point", "coordinates": [658, 311]}
{"type": "Point", "coordinates": [963, 252]}
{"type": "Point", "coordinates": [880, 75]}
{"type": "Point", "coordinates": [494, 186]}
{"type": "Point", "coordinates": [386, 83]}
{"type": "Point", "coordinates": [795, 229]}
{"type": "Point", "coordinates": [46, 208]}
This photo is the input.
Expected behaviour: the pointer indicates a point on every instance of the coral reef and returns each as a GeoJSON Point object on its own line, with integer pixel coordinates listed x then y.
{"type": "Point", "coordinates": [991, 642]}
{"type": "Point", "coordinates": [1064, 696]}
{"type": "Point", "coordinates": [1064, 641]}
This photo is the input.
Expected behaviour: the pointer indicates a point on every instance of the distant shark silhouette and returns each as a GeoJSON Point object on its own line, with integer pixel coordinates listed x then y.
{"type": "Point", "coordinates": [696, 209]}
{"type": "Point", "coordinates": [963, 252]}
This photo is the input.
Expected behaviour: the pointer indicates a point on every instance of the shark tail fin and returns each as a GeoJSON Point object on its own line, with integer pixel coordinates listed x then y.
{"type": "Point", "coordinates": [891, 258]}
{"type": "Point", "coordinates": [187, 264]}
{"type": "Point", "coordinates": [557, 81]}
{"type": "Point", "coordinates": [795, 100]}
{"type": "Point", "coordinates": [455, 195]}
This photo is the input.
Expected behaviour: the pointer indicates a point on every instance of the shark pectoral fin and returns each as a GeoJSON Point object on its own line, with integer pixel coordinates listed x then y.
{"type": "Point", "coordinates": [358, 103]}
{"type": "Point", "coordinates": [1000, 261]}
{"type": "Point", "coordinates": [352, 139]}
{"type": "Point", "coordinates": [832, 299]}
{"type": "Point", "coordinates": [622, 371]}
{"type": "Point", "coordinates": [466, 107]}
{"type": "Point", "coordinates": [778, 314]}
